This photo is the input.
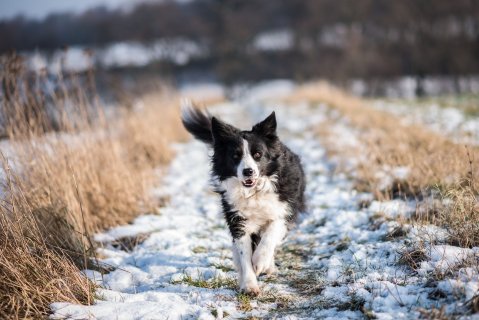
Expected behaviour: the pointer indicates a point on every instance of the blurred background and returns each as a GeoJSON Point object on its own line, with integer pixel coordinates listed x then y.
{"type": "Point", "coordinates": [89, 114]}
{"type": "Point", "coordinates": [403, 49]}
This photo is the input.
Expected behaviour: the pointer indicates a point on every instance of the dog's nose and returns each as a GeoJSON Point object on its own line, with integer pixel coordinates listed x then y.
{"type": "Point", "coordinates": [248, 172]}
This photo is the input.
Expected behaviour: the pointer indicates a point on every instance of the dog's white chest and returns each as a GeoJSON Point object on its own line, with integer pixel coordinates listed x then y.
{"type": "Point", "coordinates": [259, 206]}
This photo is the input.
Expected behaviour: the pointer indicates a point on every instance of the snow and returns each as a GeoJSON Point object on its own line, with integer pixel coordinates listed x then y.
{"type": "Point", "coordinates": [387, 175]}
{"type": "Point", "coordinates": [444, 257]}
{"type": "Point", "coordinates": [183, 267]}
{"type": "Point", "coordinates": [37, 62]}
{"type": "Point", "coordinates": [267, 90]}
{"type": "Point", "coordinates": [75, 59]}
{"type": "Point", "coordinates": [405, 87]}
{"type": "Point", "coordinates": [467, 284]}
{"type": "Point", "coordinates": [393, 208]}
{"type": "Point", "coordinates": [147, 305]}
{"type": "Point", "coordinates": [204, 92]}
{"type": "Point", "coordinates": [447, 121]}
{"type": "Point", "coordinates": [275, 40]}
{"type": "Point", "coordinates": [120, 54]}
{"type": "Point", "coordinates": [123, 54]}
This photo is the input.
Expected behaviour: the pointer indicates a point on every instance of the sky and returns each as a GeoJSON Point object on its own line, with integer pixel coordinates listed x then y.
{"type": "Point", "coordinates": [41, 8]}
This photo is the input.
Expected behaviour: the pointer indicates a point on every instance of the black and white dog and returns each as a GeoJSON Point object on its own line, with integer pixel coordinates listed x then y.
{"type": "Point", "coordinates": [261, 183]}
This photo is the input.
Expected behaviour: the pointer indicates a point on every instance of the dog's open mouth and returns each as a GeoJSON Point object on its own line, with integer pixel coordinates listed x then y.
{"type": "Point", "coordinates": [248, 183]}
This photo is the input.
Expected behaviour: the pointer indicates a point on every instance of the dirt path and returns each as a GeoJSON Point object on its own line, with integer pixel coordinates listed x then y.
{"type": "Point", "coordinates": [340, 262]}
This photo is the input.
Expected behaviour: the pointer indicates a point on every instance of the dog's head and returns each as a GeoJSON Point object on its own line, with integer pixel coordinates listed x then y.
{"type": "Point", "coordinates": [248, 156]}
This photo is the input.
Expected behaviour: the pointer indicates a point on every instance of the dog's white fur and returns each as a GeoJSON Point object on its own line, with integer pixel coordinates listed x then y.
{"type": "Point", "coordinates": [247, 161]}
{"type": "Point", "coordinates": [265, 215]}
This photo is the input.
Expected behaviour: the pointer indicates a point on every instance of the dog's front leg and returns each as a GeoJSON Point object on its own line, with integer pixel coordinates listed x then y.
{"type": "Point", "coordinates": [247, 278]}
{"type": "Point", "coordinates": [263, 257]}
{"type": "Point", "coordinates": [237, 262]}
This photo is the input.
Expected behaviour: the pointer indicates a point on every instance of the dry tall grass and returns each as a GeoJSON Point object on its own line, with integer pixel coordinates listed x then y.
{"type": "Point", "coordinates": [33, 271]}
{"type": "Point", "coordinates": [72, 172]}
{"type": "Point", "coordinates": [146, 138]}
{"type": "Point", "coordinates": [436, 164]}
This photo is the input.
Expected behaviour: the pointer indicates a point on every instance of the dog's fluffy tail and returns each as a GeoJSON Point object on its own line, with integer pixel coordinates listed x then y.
{"type": "Point", "coordinates": [197, 122]}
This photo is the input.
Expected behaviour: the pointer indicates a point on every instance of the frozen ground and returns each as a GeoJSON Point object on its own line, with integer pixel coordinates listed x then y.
{"type": "Point", "coordinates": [341, 262]}
{"type": "Point", "coordinates": [448, 121]}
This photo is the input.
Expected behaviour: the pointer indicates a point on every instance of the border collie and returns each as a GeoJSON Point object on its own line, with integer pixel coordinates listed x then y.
{"type": "Point", "coordinates": [261, 183]}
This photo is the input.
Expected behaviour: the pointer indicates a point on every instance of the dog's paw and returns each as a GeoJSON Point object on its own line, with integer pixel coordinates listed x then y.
{"type": "Point", "coordinates": [271, 270]}
{"type": "Point", "coordinates": [250, 289]}
{"type": "Point", "coordinates": [261, 262]}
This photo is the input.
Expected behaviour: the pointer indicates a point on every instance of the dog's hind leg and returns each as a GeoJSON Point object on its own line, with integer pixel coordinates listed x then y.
{"type": "Point", "coordinates": [272, 267]}
{"type": "Point", "coordinates": [255, 239]}
{"type": "Point", "coordinates": [263, 257]}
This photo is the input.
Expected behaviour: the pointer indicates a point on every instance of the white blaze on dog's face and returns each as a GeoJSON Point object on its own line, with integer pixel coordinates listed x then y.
{"type": "Point", "coordinates": [247, 158]}
{"type": "Point", "coordinates": [247, 171]}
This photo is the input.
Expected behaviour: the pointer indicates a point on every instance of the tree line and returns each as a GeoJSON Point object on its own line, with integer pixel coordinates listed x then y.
{"type": "Point", "coordinates": [333, 38]}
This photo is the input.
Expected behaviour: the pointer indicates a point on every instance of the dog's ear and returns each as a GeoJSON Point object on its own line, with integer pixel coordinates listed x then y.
{"type": "Point", "coordinates": [222, 131]}
{"type": "Point", "coordinates": [267, 127]}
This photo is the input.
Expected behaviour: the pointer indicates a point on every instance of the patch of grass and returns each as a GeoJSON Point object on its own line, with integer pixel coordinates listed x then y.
{"type": "Point", "coordinates": [473, 304]}
{"type": "Point", "coordinates": [215, 314]}
{"type": "Point", "coordinates": [213, 283]}
{"type": "Point", "coordinates": [222, 267]}
{"type": "Point", "coordinates": [244, 302]}
{"type": "Point", "coordinates": [397, 232]}
{"type": "Point", "coordinates": [317, 224]}
{"type": "Point", "coordinates": [32, 276]}
{"type": "Point", "coordinates": [368, 313]}
{"type": "Point", "coordinates": [412, 257]}
{"type": "Point", "coordinates": [291, 257]}
{"type": "Point", "coordinates": [461, 217]}
{"type": "Point", "coordinates": [349, 270]}
{"type": "Point", "coordinates": [343, 244]}
{"type": "Point", "coordinates": [199, 249]}
{"type": "Point", "coordinates": [282, 301]}
{"type": "Point", "coordinates": [376, 221]}
{"type": "Point", "coordinates": [354, 304]}
{"type": "Point", "coordinates": [434, 313]}
{"type": "Point", "coordinates": [148, 131]}
{"type": "Point", "coordinates": [218, 227]}
{"type": "Point", "coordinates": [436, 294]}
{"type": "Point", "coordinates": [129, 243]}
{"type": "Point", "coordinates": [310, 283]}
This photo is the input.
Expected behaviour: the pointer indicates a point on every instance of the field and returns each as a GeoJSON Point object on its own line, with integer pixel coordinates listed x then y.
{"type": "Point", "coordinates": [108, 214]}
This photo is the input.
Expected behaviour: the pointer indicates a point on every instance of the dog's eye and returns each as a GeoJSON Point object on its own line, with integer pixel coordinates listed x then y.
{"type": "Point", "coordinates": [257, 155]}
{"type": "Point", "coordinates": [236, 155]}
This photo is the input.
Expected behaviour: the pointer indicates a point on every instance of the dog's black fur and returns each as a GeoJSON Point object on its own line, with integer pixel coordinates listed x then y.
{"type": "Point", "coordinates": [277, 159]}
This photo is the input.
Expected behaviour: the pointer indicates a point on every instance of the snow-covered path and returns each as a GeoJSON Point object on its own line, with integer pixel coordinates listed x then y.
{"type": "Point", "coordinates": [340, 262]}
